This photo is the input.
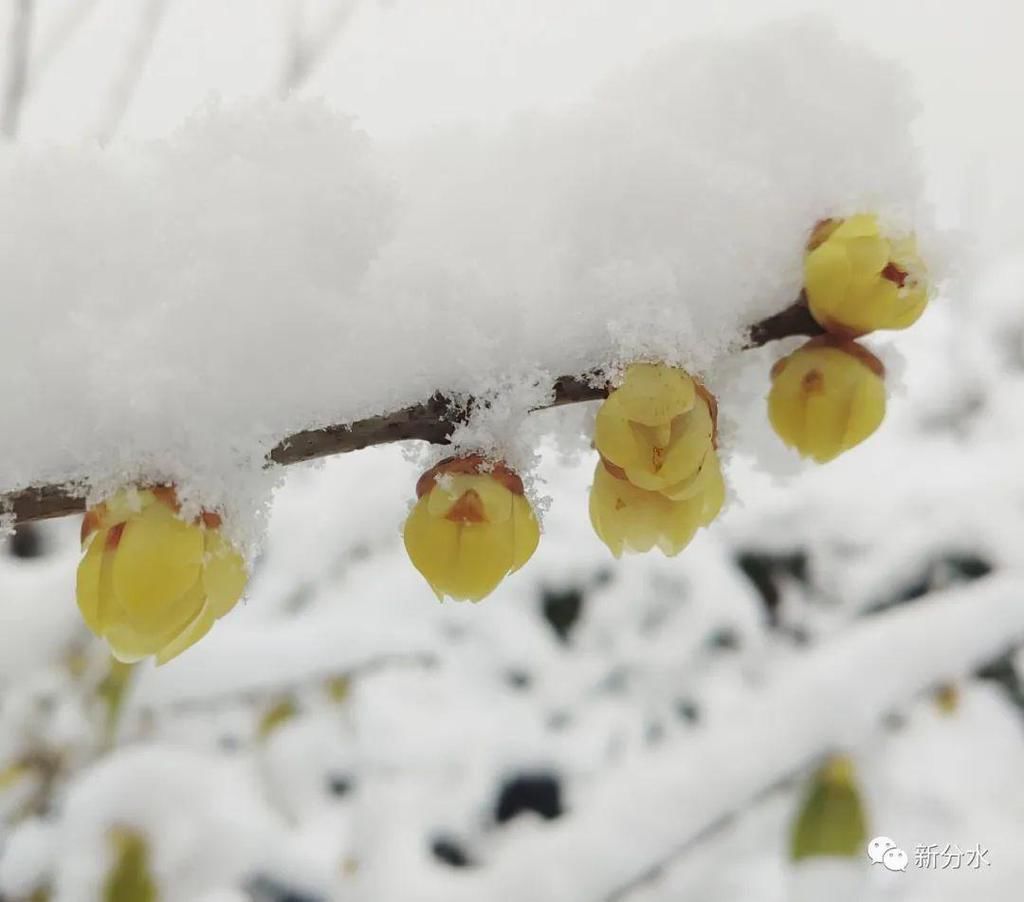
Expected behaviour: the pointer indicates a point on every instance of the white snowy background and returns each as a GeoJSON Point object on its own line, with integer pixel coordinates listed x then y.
{"type": "Point", "coordinates": [202, 252]}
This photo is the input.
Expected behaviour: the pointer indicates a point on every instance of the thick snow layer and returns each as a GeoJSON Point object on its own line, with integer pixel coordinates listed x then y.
{"type": "Point", "coordinates": [174, 309]}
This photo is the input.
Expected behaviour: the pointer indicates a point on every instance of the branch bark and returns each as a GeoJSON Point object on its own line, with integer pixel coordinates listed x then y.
{"type": "Point", "coordinates": [433, 420]}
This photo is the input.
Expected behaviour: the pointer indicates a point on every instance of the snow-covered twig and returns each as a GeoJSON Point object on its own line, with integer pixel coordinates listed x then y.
{"type": "Point", "coordinates": [247, 683]}
{"type": "Point", "coordinates": [433, 421]}
{"type": "Point", "coordinates": [305, 51]}
{"type": "Point", "coordinates": [16, 82]}
{"type": "Point", "coordinates": [135, 61]}
{"type": "Point", "coordinates": [54, 40]}
{"type": "Point", "coordinates": [658, 869]}
{"type": "Point", "coordinates": [674, 797]}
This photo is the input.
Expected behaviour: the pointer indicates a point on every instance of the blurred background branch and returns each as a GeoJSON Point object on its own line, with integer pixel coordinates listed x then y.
{"type": "Point", "coordinates": [840, 688]}
{"type": "Point", "coordinates": [309, 41]}
{"type": "Point", "coordinates": [57, 37]}
{"type": "Point", "coordinates": [134, 63]}
{"type": "Point", "coordinates": [16, 75]}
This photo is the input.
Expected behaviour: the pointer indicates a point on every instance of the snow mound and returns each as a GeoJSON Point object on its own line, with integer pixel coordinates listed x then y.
{"type": "Point", "coordinates": [174, 309]}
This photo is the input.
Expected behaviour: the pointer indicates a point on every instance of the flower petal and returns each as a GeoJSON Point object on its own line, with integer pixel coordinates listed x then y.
{"type": "Point", "coordinates": [432, 544]}
{"type": "Point", "coordinates": [714, 492]}
{"type": "Point", "coordinates": [224, 575]}
{"type": "Point", "coordinates": [868, 257]}
{"type": "Point", "coordinates": [655, 394]}
{"type": "Point", "coordinates": [486, 553]}
{"type": "Point", "coordinates": [614, 435]}
{"type": "Point", "coordinates": [692, 435]}
{"type": "Point", "coordinates": [198, 627]}
{"type": "Point", "coordinates": [495, 497]}
{"type": "Point", "coordinates": [157, 561]}
{"type": "Point", "coordinates": [526, 531]}
{"type": "Point", "coordinates": [87, 584]}
{"type": "Point", "coordinates": [827, 275]}
{"type": "Point", "coordinates": [860, 225]}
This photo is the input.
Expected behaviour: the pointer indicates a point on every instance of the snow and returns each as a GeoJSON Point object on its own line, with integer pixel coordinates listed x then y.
{"type": "Point", "coordinates": [671, 701]}
{"type": "Point", "coordinates": [269, 267]}
{"type": "Point", "coordinates": [180, 796]}
{"type": "Point", "coordinates": [828, 686]}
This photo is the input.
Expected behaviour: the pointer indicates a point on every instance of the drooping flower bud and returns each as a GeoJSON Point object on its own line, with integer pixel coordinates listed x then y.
{"type": "Point", "coordinates": [947, 699]}
{"type": "Point", "coordinates": [826, 397]}
{"type": "Point", "coordinates": [858, 280]}
{"type": "Point", "coordinates": [131, 877]}
{"type": "Point", "coordinates": [471, 526]}
{"type": "Point", "coordinates": [627, 518]}
{"type": "Point", "coordinates": [657, 427]}
{"type": "Point", "coordinates": [831, 821]}
{"type": "Point", "coordinates": [149, 582]}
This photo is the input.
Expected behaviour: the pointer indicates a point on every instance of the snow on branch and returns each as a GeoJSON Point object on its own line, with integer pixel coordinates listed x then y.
{"type": "Point", "coordinates": [309, 43]}
{"type": "Point", "coordinates": [431, 421]}
{"type": "Point", "coordinates": [271, 285]}
{"type": "Point", "coordinates": [667, 800]}
{"type": "Point", "coordinates": [127, 81]}
{"type": "Point", "coordinates": [16, 81]}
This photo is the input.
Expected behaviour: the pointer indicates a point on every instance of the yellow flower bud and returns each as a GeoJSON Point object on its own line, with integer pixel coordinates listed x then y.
{"type": "Point", "coordinates": [150, 583]}
{"type": "Point", "coordinates": [131, 876]}
{"type": "Point", "coordinates": [857, 280]}
{"type": "Point", "coordinates": [826, 397]}
{"type": "Point", "coordinates": [657, 427]}
{"type": "Point", "coordinates": [831, 822]}
{"type": "Point", "coordinates": [947, 699]}
{"type": "Point", "coordinates": [470, 527]}
{"type": "Point", "coordinates": [278, 714]}
{"type": "Point", "coordinates": [627, 518]}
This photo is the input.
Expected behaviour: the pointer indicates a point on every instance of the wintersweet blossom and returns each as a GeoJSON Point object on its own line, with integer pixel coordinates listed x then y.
{"type": "Point", "coordinates": [658, 426]}
{"type": "Point", "coordinates": [858, 280]}
{"type": "Point", "coordinates": [826, 397]}
{"type": "Point", "coordinates": [628, 518]}
{"type": "Point", "coordinates": [831, 822]}
{"type": "Point", "coordinates": [471, 526]}
{"type": "Point", "coordinates": [149, 582]}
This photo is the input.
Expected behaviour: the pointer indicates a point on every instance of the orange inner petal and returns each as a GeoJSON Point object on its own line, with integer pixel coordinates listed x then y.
{"type": "Point", "coordinates": [468, 509]}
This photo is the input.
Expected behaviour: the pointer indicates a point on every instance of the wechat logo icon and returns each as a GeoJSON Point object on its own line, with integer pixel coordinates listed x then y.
{"type": "Point", "coordinates": [885, 851]}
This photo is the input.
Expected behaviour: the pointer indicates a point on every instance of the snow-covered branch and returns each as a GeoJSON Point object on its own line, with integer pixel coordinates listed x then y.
{"type": "Point", "coordinates": [57, 38]}
{"type": "Point", "coordinates": [432, 421]}
{"type": "Point", "coordinates": [16, 80]}
{"type": "Point", "coordinates": [308, 45]}
{"type": "Point", "coordinates": [668, 799]}
{"type": "Point", "coordinates": [136, 56]}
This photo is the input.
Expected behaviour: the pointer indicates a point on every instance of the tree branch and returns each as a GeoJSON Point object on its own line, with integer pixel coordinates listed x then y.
{"type": "Point", "coordinates": [305, 52]}
{"type": "Point", "coordinates": [433, 420]}
{"type": "Point", "coordinates": [16, 82]}
{"type": "Point", "coordinates": [136, 57]}
{"type": "Point", "coordinates": [826, 700]}
{"type": "Point", "coordinates": [56, 39]}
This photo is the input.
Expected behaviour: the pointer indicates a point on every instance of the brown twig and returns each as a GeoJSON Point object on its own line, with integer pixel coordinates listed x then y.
{"type": "Point", "coordinates": [794, 320]}
{"type": "Point", "coordinates": [433, 420]}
